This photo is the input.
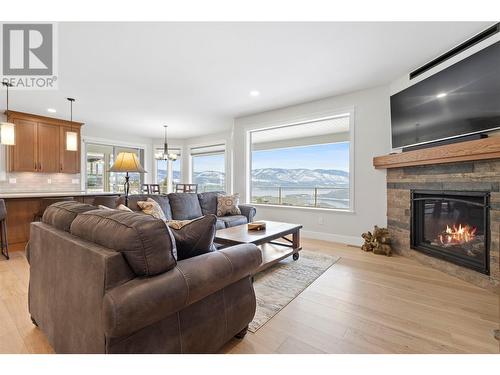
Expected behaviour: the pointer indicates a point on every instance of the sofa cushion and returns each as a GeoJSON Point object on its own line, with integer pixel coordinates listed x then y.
{"type": "Point", "coordinates": [220, 224]}
{"type": "Point", "coordinates": [232, 221]}
{"type": "Point", "coordinates": [184, 206]}
{"type": "Point", "coordinates": [196, 237]}
{"type": "Point", "coordinates": [144, 241]}
{"type": "Point", "coordinates": [161, 199]}
{"type": "Point", "coordinates": [102, 207]}
{"type": "Point", "coordinates": [62, 214]}
{"type": "Point", "coordinates": [208, 202]}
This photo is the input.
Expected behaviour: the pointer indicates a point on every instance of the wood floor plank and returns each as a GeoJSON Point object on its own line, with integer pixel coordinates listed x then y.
{"type": "Point", "coordinates": [12, 343]}
{"type": "Point", "coordinates": [296, 346]}
{"type": "Point", "coordinates": [409, 318]}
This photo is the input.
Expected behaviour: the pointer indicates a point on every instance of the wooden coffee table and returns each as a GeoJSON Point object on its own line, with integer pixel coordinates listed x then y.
{"type": "Point", "coordinates": [273, 241]}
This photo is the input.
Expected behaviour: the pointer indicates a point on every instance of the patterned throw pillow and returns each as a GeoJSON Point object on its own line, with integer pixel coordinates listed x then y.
{"type": "Point", "coordinates": [122, 207]}
{"type": "Point", "coordinates": [151, 207]}
{"type": "Point", "coordinates": [228, 205]}
{"type": "Point", "coordinates": [178, 224]}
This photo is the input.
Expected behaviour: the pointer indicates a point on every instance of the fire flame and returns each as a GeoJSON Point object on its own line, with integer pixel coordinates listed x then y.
{"type": "Point", "coordinates": [457, 235]}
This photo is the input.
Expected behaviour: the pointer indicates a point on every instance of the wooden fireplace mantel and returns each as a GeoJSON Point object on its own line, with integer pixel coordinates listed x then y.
{"type": "Point", "coordinates": [482, 149]}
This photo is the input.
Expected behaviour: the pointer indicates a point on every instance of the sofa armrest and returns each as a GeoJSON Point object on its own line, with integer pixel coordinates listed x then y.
{"type": "Point", "coordinates": [248, 211]}
{"type": "Point", "coordinates": [144, 301]}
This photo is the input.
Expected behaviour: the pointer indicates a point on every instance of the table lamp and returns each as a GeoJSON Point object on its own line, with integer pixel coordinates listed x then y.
{"type": "Point", "coordinates": [127, 162]}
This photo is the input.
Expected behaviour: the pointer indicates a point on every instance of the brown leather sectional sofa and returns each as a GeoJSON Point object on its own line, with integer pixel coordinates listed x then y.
{"type": "Point", "coordinates": [104, 281]}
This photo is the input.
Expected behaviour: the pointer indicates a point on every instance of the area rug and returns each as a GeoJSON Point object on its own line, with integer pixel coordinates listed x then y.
{"type": "Point", "coordinates": [278, 285]}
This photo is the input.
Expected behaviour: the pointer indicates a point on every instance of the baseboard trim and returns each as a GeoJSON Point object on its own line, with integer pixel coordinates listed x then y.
{"type": "Point", "coordinates": [340, 238]}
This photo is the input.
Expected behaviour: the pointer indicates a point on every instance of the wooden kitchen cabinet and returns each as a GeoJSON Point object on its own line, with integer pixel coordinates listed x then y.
{"type": "Point", "coordinates": [41, 144]}
{"type": "Point", "coordinates": [69, 160]}
{"type": "Point", "coordinates": [23, 156]}
{"type": "Point", "coordinates": [48, 148]}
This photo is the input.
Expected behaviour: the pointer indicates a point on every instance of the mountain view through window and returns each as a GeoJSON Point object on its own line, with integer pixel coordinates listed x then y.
{"type": "Point", "coordinates": [209, 172]}
{"type": "Point", "coordinates": [303, 165]}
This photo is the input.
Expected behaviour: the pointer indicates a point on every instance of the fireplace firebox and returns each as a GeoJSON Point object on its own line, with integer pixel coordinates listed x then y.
{"type": "Point", "coordinates": [453, 226]}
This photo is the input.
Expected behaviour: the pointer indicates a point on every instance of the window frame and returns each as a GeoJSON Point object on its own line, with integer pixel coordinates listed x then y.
{"type": "Point", "coordinates": [107, 142]}
{"type": "Point", "coordinates": [221, 143]}
{"type": "Point", "coordinates": [311, 118]}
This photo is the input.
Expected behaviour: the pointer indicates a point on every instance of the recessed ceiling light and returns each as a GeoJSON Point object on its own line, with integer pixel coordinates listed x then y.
{"type": "Point", "coordinates": [441, 95]}
{"type": "Point", "coordinates": [254, 93]}
{"type": "Point", "coordinates": [51, 110]}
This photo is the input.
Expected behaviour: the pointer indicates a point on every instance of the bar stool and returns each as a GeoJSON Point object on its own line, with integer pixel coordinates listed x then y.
{"type": "Point", "coordinates": [4, 243]}
{"type": "Point", "coordinates": [186, 188]}
{"type": "Point", "coordinates": [46, 202]}
{"type": "Point", "coordinates": [145, 188]}
{"type": "Point", "coordinates": [154, 189]}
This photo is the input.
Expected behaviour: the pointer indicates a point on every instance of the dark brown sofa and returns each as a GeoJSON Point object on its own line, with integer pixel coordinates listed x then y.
{"type": "Point", "coordinates": [104, 281]}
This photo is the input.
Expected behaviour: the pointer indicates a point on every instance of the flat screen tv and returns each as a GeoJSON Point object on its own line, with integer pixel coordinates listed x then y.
{"type": "Point", "coordinates": [459, 100]}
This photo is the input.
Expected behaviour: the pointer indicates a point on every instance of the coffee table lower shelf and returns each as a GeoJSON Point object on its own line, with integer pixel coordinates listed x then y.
{"type": "Point", "coordinates": [274, 253]}
{"type": "Point", "coordinates": [274, 241]}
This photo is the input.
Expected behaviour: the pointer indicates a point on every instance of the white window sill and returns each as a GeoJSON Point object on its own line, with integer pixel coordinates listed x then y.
{"type": "Point", "coordinates": [302, 208]}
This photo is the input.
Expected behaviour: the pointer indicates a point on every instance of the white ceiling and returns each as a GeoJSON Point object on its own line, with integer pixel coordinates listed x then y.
{"type": "Point", "coordinates": [196, 77]}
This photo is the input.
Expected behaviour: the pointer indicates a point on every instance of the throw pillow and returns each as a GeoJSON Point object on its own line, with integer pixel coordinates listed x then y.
{"type": "Point", "coordinates": [151, 207]}
{"type": "Point", "coordinates": [177, 224]}
{"type": "Point", "coordinates": [122, 207]}
{"type": "Point", "coordinates": [196, 237]}
{"type": "Point", "coordinates": [228, 205]}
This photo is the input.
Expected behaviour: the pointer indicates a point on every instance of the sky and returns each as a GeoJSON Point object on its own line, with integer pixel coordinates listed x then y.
{"type": "Point", "coordinates": [162, 164]}
{"type": "Point", "coordinates": [208, 163]}
{"type": "Point", "coordinates": [328, 156]}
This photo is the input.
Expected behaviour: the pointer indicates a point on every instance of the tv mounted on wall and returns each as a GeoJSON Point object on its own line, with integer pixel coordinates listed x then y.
{"type": "Point", "coordinates": [460, 100]}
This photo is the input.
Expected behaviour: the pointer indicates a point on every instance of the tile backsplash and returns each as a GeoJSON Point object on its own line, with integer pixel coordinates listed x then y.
{"type": "Point", "coordinates": [26, 182]}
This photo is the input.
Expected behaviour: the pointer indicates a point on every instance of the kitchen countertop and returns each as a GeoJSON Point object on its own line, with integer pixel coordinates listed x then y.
{"type": "Point", "coordinates": [42, 194]}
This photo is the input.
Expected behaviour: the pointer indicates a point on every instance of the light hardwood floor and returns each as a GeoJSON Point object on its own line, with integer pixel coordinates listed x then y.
{"type": "Point", "coordinates": [365, 303]}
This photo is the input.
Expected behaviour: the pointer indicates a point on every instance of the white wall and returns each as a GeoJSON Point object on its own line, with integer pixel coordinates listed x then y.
{"type": "Point", "coordinates": [371, 138]}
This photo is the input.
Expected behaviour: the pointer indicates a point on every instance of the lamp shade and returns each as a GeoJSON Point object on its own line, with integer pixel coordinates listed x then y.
{"type": "Point", "coordinates": [127, 162]}
{"type": "Point", "coordinates": [7, 133]}
{"type": "Point", "coordinates": [71, 141]}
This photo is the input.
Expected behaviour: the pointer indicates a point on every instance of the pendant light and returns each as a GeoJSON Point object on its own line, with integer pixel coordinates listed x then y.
{"type": "Point", "coordinates": [71, 136]}
{"type": "Point", "coordinates": [7, 129]}
{"type": "Point", "coordinates": [166, 155]}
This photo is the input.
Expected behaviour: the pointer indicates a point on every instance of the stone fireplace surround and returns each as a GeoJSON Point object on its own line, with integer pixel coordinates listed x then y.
{"type": "Point", "coordinates": [478, 175]}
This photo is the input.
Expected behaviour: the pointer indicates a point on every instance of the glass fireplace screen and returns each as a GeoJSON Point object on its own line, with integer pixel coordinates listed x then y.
{"type": "Point", "coordinates": [453, 226]}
